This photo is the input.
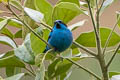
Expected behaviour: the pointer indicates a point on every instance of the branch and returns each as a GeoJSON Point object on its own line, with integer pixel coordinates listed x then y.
{"type": "Point", "coordinates": [30, 71]}
{"type": "Point", "coordinates": [73, 62]}
{"type": "Point", "coordinates": [85, 49]}
{"type": "Point", "coordinates": [100, 55]}
{"type": "Point", "coordinates": [113, 56]}
{"type": "Point", "coordinates": [109, 37]}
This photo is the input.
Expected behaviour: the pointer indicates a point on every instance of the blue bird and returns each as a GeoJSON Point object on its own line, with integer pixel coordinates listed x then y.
{"type": "Point", "coordinates": [60, 37]}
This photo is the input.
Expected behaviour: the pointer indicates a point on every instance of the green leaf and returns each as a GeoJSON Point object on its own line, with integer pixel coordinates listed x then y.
{"type": "Point", "coordinates": [9, 60]}
{"type": "Point", "coordinates": [46, 8]}
{"type": "Point", "coordinates": [106, 4]}
{"type": "Point", "coordinates": [75, 51]}
{"type": "Point", "coordinates": [33, 14]}
{"type": "Point", "coordinates": [40, 73]}
{"type": "Point", "coordinates": [6, 40]}
{"type": "Point", "coordinates": [51, 68]}
{"type": "Point", "coordinates": [16, 4]}
{"type": "Point", "coordinates": [24, 51]}
{"type": "Point", "coordinates": [7, 32]}
{"type": "Point", "coordinates": [16, 77]}
{"type": "Point", "coordinates": [88, 39]}
{"type": "Point", "coordinates": [10, 71]}
{"type": "Point", "coordinates": [3, 23]}
{"type": "Point", "coordinates": [65, 76]}
{"type": "Point", "coordinates": [18, 34]}
{"type": "Point", "coordinates": [113, 73]}
{"type": "Point", "coordinates": [64, 66]}
{"type": "Point", "coordinates": [66, 11]}
{"type": "Point", "coordinates": [76, 25]}
{"type": "Point", "coordinates": [71, 1]}
{"type": "Point", "coordinates": [39, 59]}
{"type": "Point", "coordinates": [37, 45]}
{"type": "Point", "coordinates": [13, 22]}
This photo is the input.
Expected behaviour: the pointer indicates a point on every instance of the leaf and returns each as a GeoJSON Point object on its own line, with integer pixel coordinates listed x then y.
{"type": "Point", "coordinates": [76, 25]}
{"type": "Point", "coordinates": [13, 22]}
{"type": "Point", "coordinates": [40, 73]}
{"type": "Point", "coordinates": [71, 1]}
{"type": "Point", "coordinates": [16, 4]}
{"type": "Point", "coordinates": [10, 60]}
{"type": "Point", "coordinates": [115, 77]}
{"type": "Point", "coordinates": [113, 73]}
{"type": "Point", "coordinates": [16, 77]}
{"type": "Point", "coordinates": [33, 14]}
{"type": "Point", "coordinates": [1, 78]}
{"type": "Point", "coordinates": [106, 4]}
{"type": "Point", "coordinates": [46, 8]}
{"type": "Point", "coordinates": [10, 71]}
{"type": "Point", "coordinates": [7, 32]}
{"type": "Point", "coordinates": [65, 76]}
{"type": "Point", "coordinates": [67, 53]}
{"type": "Point", "coordinates": [37, 45]}
{"type": "Point", "coordinates": [66, 11]}
{"type": "Point", "coordinates": [3, 23]}
{"type": "Point", "coordinates": [39, 59]}
{"type": "Point", "coordinates": [88, 39]}
{"type": "Point", "coordinates": [24, 51]}
{"type": "Point", "coordinates": [52, 67]}
{"type": "Point", "coordinates": [64, 66]}
{"type": "Point", "coordinates": [6, 40]}
{"type": "Point", "coordinates": [18, 34]}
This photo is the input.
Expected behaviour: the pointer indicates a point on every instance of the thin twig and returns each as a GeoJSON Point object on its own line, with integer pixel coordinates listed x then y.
{"type": "Point", "coordinates": [80, 66]}
{"type": "Point", "coordinates": [30, 71]}
{"type": "Point", "coordinates": [109, 37]}
{"type": "Point", "coordinates": [113, 56]}
{"type": "Point", "coordinates": [31, 68]}
{"type": "Point", "coordinates": [83, 48]}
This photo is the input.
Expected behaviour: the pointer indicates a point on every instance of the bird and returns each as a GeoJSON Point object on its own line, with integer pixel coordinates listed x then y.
{"type": "Point", "coordinates": [60, 37]}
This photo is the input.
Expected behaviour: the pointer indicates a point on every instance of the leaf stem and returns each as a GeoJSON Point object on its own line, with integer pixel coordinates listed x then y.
{"type": "Point", "coordinates": [113, 56]}
{"type": "Point", "coordinates": [80, 66]}
{"type": "Point", "coordinates": [30, 71]}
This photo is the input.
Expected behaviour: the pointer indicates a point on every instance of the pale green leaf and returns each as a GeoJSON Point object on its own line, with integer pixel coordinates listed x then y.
{"type": "Point", "coordinates": [6, 40]}
{"type": "Point", "coordinates": [16, 77]}
{"type": "Point", "coordinates": [24, 51]}
{"type": "Point", "coordinates": [76, 25]}
{"type": "Point", "coordinates": [106, 4]}
{"type": "Point", "coordinates": [3, 23]}
{"type": "Point", "coordinates": [40, 72]}
{"type": "Point", "coordinates": [33, 14]}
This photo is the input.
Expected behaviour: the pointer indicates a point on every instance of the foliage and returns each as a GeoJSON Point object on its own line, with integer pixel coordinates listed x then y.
{"type": "Point", "coordinates": [35, 21]}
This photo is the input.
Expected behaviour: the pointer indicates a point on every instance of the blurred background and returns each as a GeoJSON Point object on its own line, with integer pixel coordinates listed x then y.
{"type": "Point", "coordinates": [107, 19]}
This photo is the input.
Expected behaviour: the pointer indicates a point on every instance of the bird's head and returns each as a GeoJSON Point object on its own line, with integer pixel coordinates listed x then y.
{"type": "Point", "coordinates": [59, 24]}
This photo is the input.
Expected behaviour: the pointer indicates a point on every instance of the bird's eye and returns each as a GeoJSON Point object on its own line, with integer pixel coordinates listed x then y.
{"type": "Point", "coordinates": [57, 26]}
